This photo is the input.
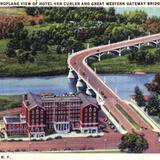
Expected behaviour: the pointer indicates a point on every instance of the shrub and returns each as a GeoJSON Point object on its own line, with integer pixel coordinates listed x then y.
{"type": "Point", "coordinates": [48, 139]}
{"type": "Point", "coordinates": [58, 137]}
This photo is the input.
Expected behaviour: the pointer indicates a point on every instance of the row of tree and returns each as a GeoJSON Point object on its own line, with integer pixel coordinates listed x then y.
{"type": "Point", "coordinates": [153, 104]}
{"type": "Point", "coordinates": [67, 36]}
{"type": "Point", "coordinates": [144, 56]}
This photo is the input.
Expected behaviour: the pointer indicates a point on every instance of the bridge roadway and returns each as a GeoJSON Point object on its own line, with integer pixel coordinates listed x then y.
{"type": "Point", "coordinates": [77, 63]}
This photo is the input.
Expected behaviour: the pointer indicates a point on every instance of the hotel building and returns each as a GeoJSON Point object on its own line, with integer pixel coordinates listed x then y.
{"type": "Point", "coordinates": [43, 114]}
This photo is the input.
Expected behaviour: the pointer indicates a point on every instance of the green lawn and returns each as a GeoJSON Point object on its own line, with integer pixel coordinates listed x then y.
{"type": "Point", "coordinates": [141, 116]}
{"type": "Point", "coordinates": [3, 45]}
{"type": "Point", "coordinates": [12, 11]}
{"type": "Point", "coordinates": [18, 136]}
{"type": "Point", "coordinates": [44, 64]}
{"type": "Point", "coordinates": [114, 117]}
{"type": "Point", "coordinates": [121, 64]}
{"type": "Point", "coordinates": [41, 27]}
{"type": "Point", "coordinates": [128, 117]}
{"type": "Point", "coordinates": [7, 102]}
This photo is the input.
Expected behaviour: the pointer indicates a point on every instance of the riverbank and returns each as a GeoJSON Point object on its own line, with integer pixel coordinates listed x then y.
{"type": "Point", "coordinates": [9, 102]}
{"type": "Point", "coordinates": [122, 65]}
{"type": "Point", "coordinates": [54, 64]}
{"type": "Point", "coordinates": [45, 64]}
{"type": "Point", "coordinates": [51, 63]}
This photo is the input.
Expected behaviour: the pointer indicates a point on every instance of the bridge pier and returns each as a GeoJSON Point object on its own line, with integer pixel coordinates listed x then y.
{"type": "Point", "coordinates": [149, 44]}
{"type": "Point", "coordinates": [108, 52]}
{"type": "Point", "coordinates": [128, 48]}
{"type": "Point", "coordinates": [89, 91]}
{"type": "Point", "coordinates": [153, 43]}
{"type": "Point", "coordinates": [79, 83]}
{"type": "Point", "coordinates": [71, 74]}
{"type": "Point", "coordinates": [99, 99]}
{"type": "Point", "coordinates": [99, 58]}
{"type": "Point", "coordinates": [138, 46]}
{"type": "Point", "coordinates": [109, 41]}
{"type": "Point", "coordinates": [119, 53]}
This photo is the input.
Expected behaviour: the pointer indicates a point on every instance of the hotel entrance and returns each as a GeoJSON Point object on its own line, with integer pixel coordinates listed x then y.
{"type": "Point", "coordinates": [62, 127]}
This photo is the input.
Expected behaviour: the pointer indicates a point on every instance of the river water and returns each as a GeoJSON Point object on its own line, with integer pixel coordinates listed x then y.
{"type": "Point", "coordinates": [122, 84]}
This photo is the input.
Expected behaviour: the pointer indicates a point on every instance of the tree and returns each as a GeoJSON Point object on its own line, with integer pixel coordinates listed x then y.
{"type": "Point", "coordinates": [153, 106]}
{"type": "Point", "coordinates": [59, 49]}
{"type": "Point", "coordinates": [10, 52]}
{"type": "Point", "coordinates": [44, 48]}
{"type": "Point", "coordinates": [150, 58]}
{"type": "Point", "coordinates": [31, 58]}
{"type": "Point", "coordinates": [139, 97]}
{"type": "Point", "coordinates": [154, 86]}
{"type": "Point", "coordinates": [34, 11]}
{"type": "Point", "coordinates": [111, 11]}
{"type": "Point", "coordinates": [157, 78]}
{"type": "Point", "coordinates": [35, 46]}
{"type": "Point", "coordinates": [22, 56]}
{"type": "Point", "coordinates": [13, 44]}
{"type": "Point", "coordinates": [25, 44]}
{"type": "Point", "coordinates": [133, 143]}
{"type": "Point", "coordinates": [137, 16]}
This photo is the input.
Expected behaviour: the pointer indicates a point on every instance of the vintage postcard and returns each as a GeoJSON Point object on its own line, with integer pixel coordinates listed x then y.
{"type": "Point", "coordinates": [79, 77]}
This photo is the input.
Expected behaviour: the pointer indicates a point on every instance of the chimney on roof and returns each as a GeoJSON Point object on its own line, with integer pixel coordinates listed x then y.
{"type": "Point", "coordinates": [27, 103]}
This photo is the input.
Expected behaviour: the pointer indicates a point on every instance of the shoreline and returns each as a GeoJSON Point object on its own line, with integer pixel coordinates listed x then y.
{"type": "Point", "coordinates": [65, 73]}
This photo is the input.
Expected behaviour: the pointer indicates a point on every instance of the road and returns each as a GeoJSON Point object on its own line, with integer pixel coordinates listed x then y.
{"type": "Point", "coordinates": [77, 62]}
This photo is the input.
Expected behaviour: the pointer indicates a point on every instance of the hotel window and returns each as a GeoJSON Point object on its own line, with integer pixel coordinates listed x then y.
{"type": "Point", "coordinates": [37, 111]}
{"type": "Point", "coordinates": [37, 116]}
{"type": "Point", "coordinates": [90, 109]}
{"type": "Point", "coordinates": [41, 121]}
{"type": "Point", "coordinates": [86, 119]}
{"type": "Point", "coordinates": [32, 122]}
{"type": "Point", "coordinates": [32, 112]}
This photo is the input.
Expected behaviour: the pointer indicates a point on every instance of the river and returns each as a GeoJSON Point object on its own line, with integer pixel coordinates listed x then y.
{"type": "Point", "coordinates": [122, 84]}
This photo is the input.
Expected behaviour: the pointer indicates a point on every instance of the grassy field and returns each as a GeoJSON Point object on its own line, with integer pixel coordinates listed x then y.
{"type": "Point", "coordinates": [3, 45]}
{"type": "Point", "coordinates": [141, 116]}
{"type": "Point", "coordinates": [128, 117]}
{"type": "Point", "coordinates": [44, 64]}
{"type": "Point", "coordinates": [121, 64]}
{"type": "Point", "coordinates": [40, 27]}
{"type": "Point", "coordinates": [12, 11]}
{"type": "Point", "coordinates": [7, 102]}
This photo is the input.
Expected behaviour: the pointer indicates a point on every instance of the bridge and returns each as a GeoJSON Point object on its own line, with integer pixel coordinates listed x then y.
{"type": "Point", "coordinates": [106, 97]}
